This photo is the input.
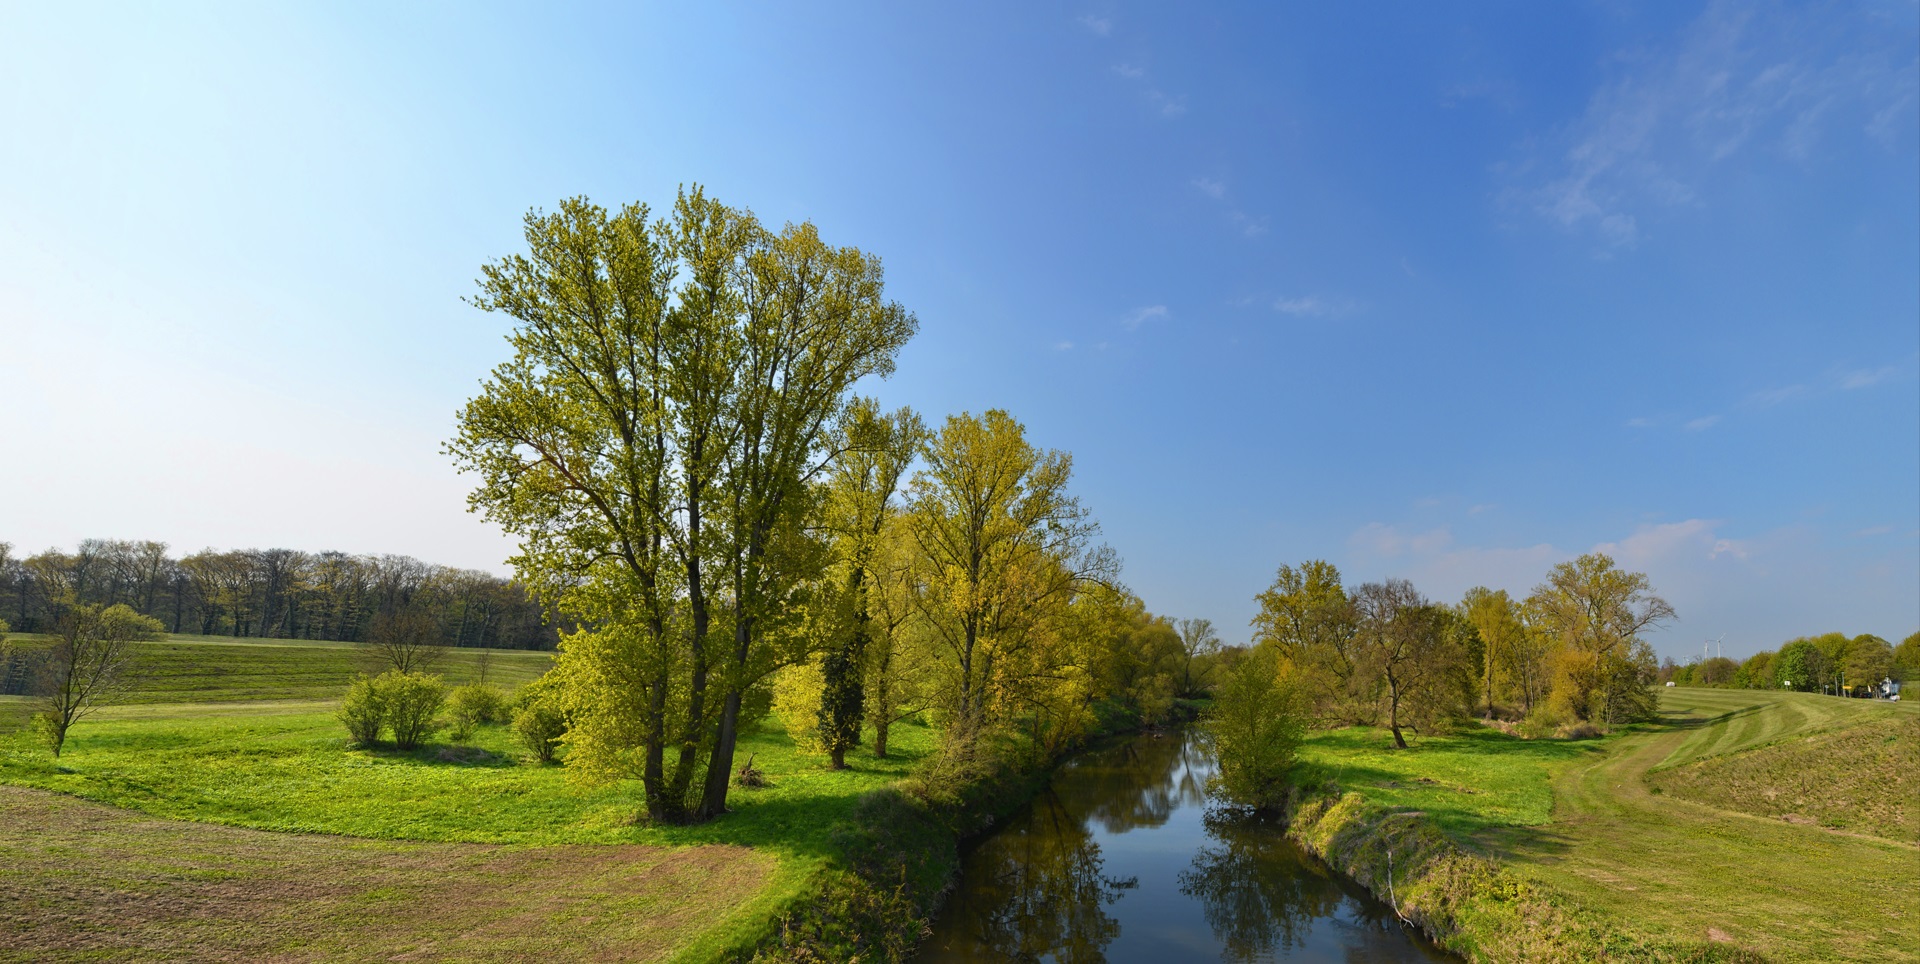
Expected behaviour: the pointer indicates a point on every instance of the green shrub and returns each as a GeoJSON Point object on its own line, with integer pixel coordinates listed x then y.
{"type": "Point", "coordinates": [1256, 724]}
{"type": "Point", "coordinates": [364, 711]}
{"type": "Point", "coordinates": [46, 729]}
{"type": "Point", "coordinates": [413, 702]}
{"type": "Point", "coordinates": [476, 703]}
{"type": "Point", "coordinates": [538, 720]}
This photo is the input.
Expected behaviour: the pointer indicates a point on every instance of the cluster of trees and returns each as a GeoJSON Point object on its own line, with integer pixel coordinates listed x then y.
{"type": "Point", "coordinates": [677, 443]}
{"type": "Point", "coordinates": [280, 593]}
{"type": "Point", "coordinates": [1381, 653]}
{"type": "Point", "coordinates": [1829, 663]}
{"type": "Point", "coordinates": [1569, 655]}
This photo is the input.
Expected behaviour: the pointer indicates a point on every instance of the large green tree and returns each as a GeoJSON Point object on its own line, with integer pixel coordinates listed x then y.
{"type": "Point", "coordinates": [1001, 547]}
{"type": "Point", "coordinates": [861, 503]}
{"type": "Point", "coordinates": [1505, 654]}
{"type": "Point", "coordinates": [1310, 617]}
{"type": "Point", "coordinates": [1598, 611]}
{"type": "Point", "coordinates": [1418, 650]}
{"type": "Point", "coordinates": [655, 442]}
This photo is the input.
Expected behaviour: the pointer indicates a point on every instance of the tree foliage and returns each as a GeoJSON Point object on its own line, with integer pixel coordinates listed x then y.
{"type": "Point", "coordinates": [656, 441]}
{"type": "Point", "coordinates": [1000, 549]}
{"type": "Point", "coordinates": [1597, 612]}
{"type": "Point", "coordinates": [89, 666]}
{"type": "Point", "coordinates": [1257, 721]}
{"type": "Point", "coordinates": [861, 505]}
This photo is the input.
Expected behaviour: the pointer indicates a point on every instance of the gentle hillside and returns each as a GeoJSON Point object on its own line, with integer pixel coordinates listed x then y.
{"type": "Point", "coordinates": [1850, 765]}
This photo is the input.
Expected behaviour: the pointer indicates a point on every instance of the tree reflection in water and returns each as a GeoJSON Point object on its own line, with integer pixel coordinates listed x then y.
{"type": "Point", "coordinates": [1041, 889]}
{"type": "Point", "coordinates": [1139, 783]}
{"type": "Point", "coordinates": [1263, 896]}
{"type": "Point", "coordinates": [1257, 893]}
{"type": "Point", "coordinates": [1038, 892]}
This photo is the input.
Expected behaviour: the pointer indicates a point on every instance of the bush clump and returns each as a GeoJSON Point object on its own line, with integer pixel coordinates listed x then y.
{"type": "Point", "coordinates": [538, 719]}
{"type": "Point", "coordinates": [413, 706]}
{"type": "Point", "coordinates": [408, 704]}
{"type": "Point", "coordinates": [476, 703]}
{"type": "Point", "coordinates": [363, 712]}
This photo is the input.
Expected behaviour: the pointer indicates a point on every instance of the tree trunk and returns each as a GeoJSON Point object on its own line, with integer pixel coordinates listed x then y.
{"type": "Point", "coordinates": [1393, 711]}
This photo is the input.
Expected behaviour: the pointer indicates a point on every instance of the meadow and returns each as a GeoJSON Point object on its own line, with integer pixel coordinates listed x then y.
{"type": "Point", "coordinates": [1665, 830]}
{"type": "Point", "coordinates": [373, 823]}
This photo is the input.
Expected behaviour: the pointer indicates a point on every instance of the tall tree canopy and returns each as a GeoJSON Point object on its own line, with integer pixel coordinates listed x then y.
{"type": "Point", "coordinates": [1598, 611]}
{"type": "Point", "coordinates": [656, 441]}
{"type": "Point", "coordinates": [1001, 547]}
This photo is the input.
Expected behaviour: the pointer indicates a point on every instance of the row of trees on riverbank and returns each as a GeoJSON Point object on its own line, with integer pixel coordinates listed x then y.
{"type": "Point", "coordinates": [677, 443]}
{"type": "Point", "coordinates": [272, 593]}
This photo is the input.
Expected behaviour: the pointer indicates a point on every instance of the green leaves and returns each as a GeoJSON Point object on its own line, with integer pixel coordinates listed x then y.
{"type": "Point", "coordinates": [653, 442]}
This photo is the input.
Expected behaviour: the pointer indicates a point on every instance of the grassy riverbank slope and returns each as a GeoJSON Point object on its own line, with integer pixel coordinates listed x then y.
{"type": "Point", "coordinates": [1614, 857]}
{"type": "Point", "coordinates": [365, 838]}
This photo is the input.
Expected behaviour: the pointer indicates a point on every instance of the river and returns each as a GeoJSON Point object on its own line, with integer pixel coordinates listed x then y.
{"type": "Point", "coordinates": [1119, 861]}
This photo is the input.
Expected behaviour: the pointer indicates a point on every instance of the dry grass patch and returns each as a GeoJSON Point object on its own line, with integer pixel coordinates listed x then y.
{"type": "Point", "coordinates": [86, 882]}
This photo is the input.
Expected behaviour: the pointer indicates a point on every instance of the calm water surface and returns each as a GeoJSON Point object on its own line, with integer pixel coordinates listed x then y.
{"type": "Point", "coordinates": [1119, 861]}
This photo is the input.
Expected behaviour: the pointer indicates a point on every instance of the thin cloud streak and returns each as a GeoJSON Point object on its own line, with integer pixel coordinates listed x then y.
{"type": "Point", "coordinates": [1142, 315]}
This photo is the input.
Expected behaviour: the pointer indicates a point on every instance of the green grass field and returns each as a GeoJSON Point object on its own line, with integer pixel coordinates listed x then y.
{"type": "Point", "coordinates": [1467, 783]}
{"type": "Point", "coordinates": [282, 764]}
{"type": "Point", "coordinates": [1590, 818]}
{"type": "Point", "coordinates": [217, 669]}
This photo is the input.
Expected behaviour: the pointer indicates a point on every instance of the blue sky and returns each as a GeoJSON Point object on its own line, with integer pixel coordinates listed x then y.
{"type": "Point", "coordinates": [1450, 294]}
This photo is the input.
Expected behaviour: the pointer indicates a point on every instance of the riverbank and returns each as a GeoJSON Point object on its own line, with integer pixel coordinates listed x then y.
{"type": "Point", "coordinates": [1618, 870]}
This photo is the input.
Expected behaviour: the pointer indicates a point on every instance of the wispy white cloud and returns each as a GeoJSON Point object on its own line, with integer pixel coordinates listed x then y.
{"type": "Point", "coordinates": [1158, 99]}
{"type": "Point", "coordinates": [1836, 379]}
{"type": "Point", "coordinates": [1871, 531]}
{"type": "Point", "coordinates": [1380, 539]}
{"type": "Point", "coordinates": [1142, 315]}
{"type": "Point", "coordinates": [1740, 80]}
{"type": "Point", "coordinates": [1702, 423]}
{"type": "Point", "coordinates": [1640, 422]}
{"type": "Point", "coordinates": [1165, 104]}
{"type": "Point", "coordinates": [1774, 396]}
{"type": "Point", "coordinates": [1864, 378]}
{"type": "Point", "coordinates": [1063, 346]}
{"type": "Point", "coordinates": [1097, 25]}
{"type": "Point", "coordinates": [1211, 187]}
{"type": "Point", "coordinates": [1316, 306]}
{"type": "Point", "coordinates": [1482, 508]}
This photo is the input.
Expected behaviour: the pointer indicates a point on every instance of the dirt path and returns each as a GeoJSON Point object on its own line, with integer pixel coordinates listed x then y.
{"type": "Point", "coordinates": [1674, 867]}
{"type": "Point", "coordinates": [83, 881]}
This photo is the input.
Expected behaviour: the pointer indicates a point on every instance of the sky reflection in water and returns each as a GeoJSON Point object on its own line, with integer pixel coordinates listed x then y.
{"type": "Point", "coordinates": [1119, 862]}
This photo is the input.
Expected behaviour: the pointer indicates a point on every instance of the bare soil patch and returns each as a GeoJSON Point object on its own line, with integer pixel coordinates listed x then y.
{"type": "Point", "coordinates": [83, 881]}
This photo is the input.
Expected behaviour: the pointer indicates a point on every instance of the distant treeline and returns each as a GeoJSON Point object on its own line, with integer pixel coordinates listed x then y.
{"type": "Point", "coordinates": [1831, 662]}
{"type": "Point", "coordinates": [272, 593]}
